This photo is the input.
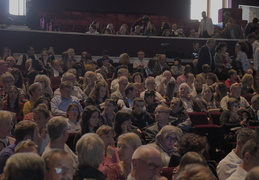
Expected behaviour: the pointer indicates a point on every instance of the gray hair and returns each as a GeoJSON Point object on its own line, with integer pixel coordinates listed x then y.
{"type": "Point", "coordinates": [90, 149]}
{"type": "Point", "coordinates": [24, 166]}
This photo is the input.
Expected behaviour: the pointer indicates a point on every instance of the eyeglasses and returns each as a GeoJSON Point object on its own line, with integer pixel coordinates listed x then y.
{"type": "Point", "coordinates": [73, 110]}
{"type": "Point", "coordinates": [62, 170]}
{"type": "Point", "coordinates": [169, 138]}
{"type": "Point", "coordinates": [151, 166]}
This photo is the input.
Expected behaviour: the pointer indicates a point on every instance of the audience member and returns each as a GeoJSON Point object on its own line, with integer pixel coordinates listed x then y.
{"type": "Point", "coordinates": [251, 27]}
{"type": "Point", "coordinates": [23, 130]}
{"type": "Point", "coordinates": [249, 156]}
{"type": "Point", "coordinates": [98, 94]}
{"type": "Point", "coordinates": [73, 117]}
{"type": "Point", "coordinates": [127, 144]}
{"type": "Point", "coordinates": [108, 114]}
{"type": "Point", "coordinates": [151, 86]}
{"type": "Point", "coordinates": [235, 92]}
{"type": "Point", "coordinates": [127, 101]}
{"type": "Point", "coordinates": [178, 116]}
{"type": "Point", "coordinates": [6, 128]}
{"type": "Point", "coordinates": [59, 165]}
{"type": "Point", "coordinates": [145, 164]}
{"type": "Point", "coordinates": [206, 28]}
{"type": "Point", "coordinates": [250, 114]}
{"type": "Point", "coordinates": [58, 132]}
{"type": "Point", "coordinates": [120, 92]}
{"type": "Point", "coordinates": [162, 119]}
{"type": "Point", "coordinates": [205, 55]}
{"type": "Point", "coordinates": [111, 156]}
{"type": "Point", "coordinates": [141, 118]}
{"type": "Point", "coordinates": [59, 103]}
{"type": "Point", "coordinates": [29, 55]}
{"type": "Point", "coordinates": [165, 142]}
{"type": "Point", "coordinates": [227, 166]}
{"type": "Point", "coordinates": [232, 78]}
{"type": "Point", "coordinates": [24, 166]}
{"type": "Point", "coordinates": [90, 150]}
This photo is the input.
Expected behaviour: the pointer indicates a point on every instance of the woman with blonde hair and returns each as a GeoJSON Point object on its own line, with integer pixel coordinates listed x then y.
{"type": "Point", "coordinates": [127, 144]}
{"type": "Point", "coordinates": [166, 142]}
{"type": "Point", "coordinates": [45, 83]}
{"type": "Point", "coordinates": [89, 82]}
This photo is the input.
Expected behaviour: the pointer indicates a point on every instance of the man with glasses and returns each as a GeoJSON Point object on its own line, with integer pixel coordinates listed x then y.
{"type": "Point", "coordinates": [250, 157]}
{"type": "Point", "coordinates": [162, 119]}
{"type": "Point", "coordinates": [59, 165]}
{"type": "Point", "coordinates": [58, 129]}
{"type": "Point", "coordinates": [145, 164]}
{"type": "Point", "coordinates": [151, 86]}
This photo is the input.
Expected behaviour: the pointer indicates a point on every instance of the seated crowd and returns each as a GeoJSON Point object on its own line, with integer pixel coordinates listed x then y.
{"type": "Point", "coordinates": [94, 119]}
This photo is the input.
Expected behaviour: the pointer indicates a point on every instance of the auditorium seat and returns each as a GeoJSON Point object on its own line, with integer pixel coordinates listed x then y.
{"type": "Point", "coordinates": [167, 172]}
{"type": "Point", "coordinates": [55, 83]}
{"type": "Point", "coordinates": [198, 118]}
{"type": "Point", "coordinates": [214, 117]}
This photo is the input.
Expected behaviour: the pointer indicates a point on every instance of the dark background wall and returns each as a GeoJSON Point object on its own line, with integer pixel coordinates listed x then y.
{"type": "Point", "coordinates": [175, 8]}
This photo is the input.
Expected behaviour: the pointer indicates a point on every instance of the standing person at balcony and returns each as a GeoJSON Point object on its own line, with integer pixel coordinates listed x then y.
{"type": "Point", "coordinates": [206, 28]}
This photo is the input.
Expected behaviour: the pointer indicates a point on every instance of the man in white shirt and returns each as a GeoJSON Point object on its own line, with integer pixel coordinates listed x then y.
{"type": "Point", "coordinates": [140, 63]}
{"type": "Point", "coordinates": [250, 156]}
{"type": "Point", "coordinates": [29, 55]}
{"type": "Point", "coordinates": [228, 165]}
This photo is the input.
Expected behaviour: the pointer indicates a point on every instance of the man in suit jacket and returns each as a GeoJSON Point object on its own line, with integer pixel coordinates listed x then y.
{"type": "Point", "coordinates": [161, 117]}
{"type": "Point", "coordinates": [206, 55]}
{"type": "Point", "coordinates": [251, 113]}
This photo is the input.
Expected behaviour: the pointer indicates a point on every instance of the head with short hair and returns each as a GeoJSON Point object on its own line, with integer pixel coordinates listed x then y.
{"type": "Point", "coordinates": [250, 154]}
{"type": "Point", "coordinates": [59, 165]}
{"type": "Point", "coordinates": [65, 84]}
{"type": "Point", "coordinates": [146, 163]}
{"type": "Point", "coordinates": [123, 72]}
{"type": "Point", "coordinates": [245, 134]}
{"type": "Point", "coordinates": [6, 123]}
{"type": "Point", "coordinates": [235, 90]}
{"type": "Point", "coordinates": [124, 59]}
{"type": "Point", "coordinates": [129, 88]}
{"type": "Point", "coordinates": [35, 86]}
{"type": "Point", "coordinates": [195, 172]}
{"type": "Point", "coordinates": [7, 79]}
{"type": "Point", "coordinates": [247, 80]}
{"type": "Point", "coordinates": [26, 146]}
{"type": "Point", "coordinates": [24, 166]}
{"type": "Point", "coordinates": [43, 79]}
{"type": "Point", "coordinates": [211, 42]}
{"type": "Point", "coordinates": [90, 150]}
{"type": "Point", "coordinates": [150, 83]}
{"type": "Point", "coordinates": [192, 142]}
{"type": "Point", "coordinates": [232, 102]}
{"type": "Point", "coordinates": [184, 90]}
{"type": "Point", "coordinates": [137, 75]}
{"type": "Point", "coordinates": [241, 46]}
{"type": "Point", "coordinates": [56, 127]}
{"type": "Point", "coordinates": [191, 158]}
{"type": "Point", "coordinates": [42, 101]}
{"type": "Point", "coordinates": [253, 174]}
{"type": "Point", "coordinates": [162, 114]}
{"type": "Point", "coordinates": [68, 77]}
{"type": "Point", "coordinates": [26, 128]}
